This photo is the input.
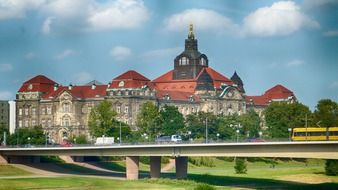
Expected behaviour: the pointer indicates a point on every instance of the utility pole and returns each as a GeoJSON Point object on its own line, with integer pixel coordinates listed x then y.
{"type": "Point", "coordinates": [305, 127]}
{"type": "Point", "coordinates": [120, 134]}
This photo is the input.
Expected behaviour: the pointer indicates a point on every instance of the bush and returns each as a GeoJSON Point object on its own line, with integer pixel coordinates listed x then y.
{"type": "Point", "coordinates": [204, 187]}
{"type": "Point", "coordinates": [145, 160]}
{"type": "Point", "coordinates": [240, 166]}
{"type": "Point", "coordinates": [331, 167]}
{"type": "Point", "coordinates": [202, 161]}
{"type": "Point", "coordinates": [165, 160]}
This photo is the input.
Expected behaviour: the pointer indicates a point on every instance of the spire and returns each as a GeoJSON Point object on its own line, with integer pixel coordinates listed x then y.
{"type": "Point", "coordinates": [191, 35]}
{"type": "Point", "coordinates": [238, 81]}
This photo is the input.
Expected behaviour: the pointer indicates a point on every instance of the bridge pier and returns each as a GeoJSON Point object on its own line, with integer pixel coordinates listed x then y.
{"type": "Point", "coordinates": [155, 166]}
{"type": "Point", "coordinates": [3, 159]}
{"type": "Point", "coordinates": [181, 164]}
{"type": "Point", "coordinates": [132, 166]}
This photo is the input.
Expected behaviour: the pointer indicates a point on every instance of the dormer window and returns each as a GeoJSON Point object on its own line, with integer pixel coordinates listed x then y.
{"type": "Point", "coordinates": [203, 61]}
{"type": "Point", "coordinates": [30, 87]}
{"type": "Point", "coordinates": [184, 61]}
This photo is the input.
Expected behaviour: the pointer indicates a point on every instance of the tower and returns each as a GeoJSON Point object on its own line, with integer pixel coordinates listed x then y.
{"type": "Point", "coordinates": [190, 62]}
{"type": "Point", "coordinates": [238, 81]}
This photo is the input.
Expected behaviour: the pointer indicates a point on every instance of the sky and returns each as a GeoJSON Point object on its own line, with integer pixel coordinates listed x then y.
{"type": "Point", "coordinates": [293, 43]}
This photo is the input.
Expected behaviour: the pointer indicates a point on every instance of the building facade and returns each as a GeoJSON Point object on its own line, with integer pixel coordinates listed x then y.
{"type": "Point", "coordinates": [4, 113]}
{"type": "Point", "coordinates": [192, 86]}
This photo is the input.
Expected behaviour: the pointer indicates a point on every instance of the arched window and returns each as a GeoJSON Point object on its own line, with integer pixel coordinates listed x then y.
{"type": "Point", "coordinates": [203, 61]}
{"type": "Point", "coordinates": [66, 121]}
{"type": "Point", "coordinates": [184, 61]}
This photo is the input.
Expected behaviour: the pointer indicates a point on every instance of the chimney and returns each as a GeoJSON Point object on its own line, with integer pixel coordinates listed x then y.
{"type": "Point", "coordinates": [70, 86]}
{"type": "Point", "coordinates": [56, 86]}
{"type": "Point", "coordinates": [93, 86]}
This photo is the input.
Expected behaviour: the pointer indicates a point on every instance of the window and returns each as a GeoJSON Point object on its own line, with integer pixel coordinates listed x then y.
{"type": "Point", "coordinates": [118, 109]}
{"type": "Point", "coordinates": [66, 121]}
{"type": "Point", "coordinates": [43, 111]}
{"type": "Point", "coordinates": [183, 61]}
{"type": "Point", "coordinates": [203, 61]}
{"type": "Point", "coordinates": [49, 110]}
{"type": "Point", "coordinates": [26, 111]}
{"type": "Point", "coordinates": [66, 107]}
{"type": "Point", "coordinates": [33, 111]}
{"type": "Point", "coordinates": [20, 123]}
{"type": "Point", "coordinates": [43, 123]}
{"type": "Point", "coordinates": [26, 123]}
{"type": "Point", "coordinates": [126, 109]}
{"type": "Point", "coordinates": [33, 122]}
{"type": "Point", "coordinates": [49, 123]}
{"type": "Point", "coordinates": [20, 111]}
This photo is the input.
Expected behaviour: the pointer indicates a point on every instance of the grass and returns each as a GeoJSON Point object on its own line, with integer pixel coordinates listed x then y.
{"type": "Point", "coordinates": [285, 175]}
{"type": "Point", "coordinates": [8, 170]}
{"type": "Point", "coordinates": [84, 183]}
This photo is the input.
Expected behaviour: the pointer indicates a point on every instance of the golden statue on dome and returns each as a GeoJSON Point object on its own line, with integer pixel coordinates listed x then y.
{"type": "Point", "coordinates": [191, 32]}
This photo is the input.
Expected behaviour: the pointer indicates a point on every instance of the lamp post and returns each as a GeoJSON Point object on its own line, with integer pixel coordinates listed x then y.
{"type": "Point", "coordinates": [217, 136]}
{"type": "Point", "coordinates": [289, 129]}
{"type": "Point", "coordinates": [189, 133]}
{"type": "Point", "coordinates": [75, 141]}
{"type": "Point", "coordinates": [206, 130]}
{"type": "Point", "coordinates": [29, 141]}
{"type": "Point", "coordinates": [46, 136]}
{"type": "Point", "coordinates": [260, 133]}
{"type": "Point", "coordinates": [237, 133]}
{"type": "Point", "coordinates": [120, 134]}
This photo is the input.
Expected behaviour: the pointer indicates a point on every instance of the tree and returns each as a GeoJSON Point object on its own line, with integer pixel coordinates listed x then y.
{"type": "Point", "coordinates": [240, 166]}
{"type": "Point", "coordinates": [101, 119]}
{"type": "Point", "coordinates": [81, 139]}
{"type": "Point", "coordinates": [172, 121]}
{"type": "Point", "coordinates": [148, 119]}
{"type": "Point", "coordinates": [280, 116]}
{"type": "Point", "coordinates": [326, 113]}
{"type": "Point", "coordinates": [331, 167]}
{"type": "Point", "coordinates": [196, 124]}
{"type": "Point", "coordinates": [31, 135]}
{"type": "Point", "coordinates": [227, 126]}
{"type": "Point", "coordinates": [3, 129]}
{"type": "Point", "coordinates": [251, 123]}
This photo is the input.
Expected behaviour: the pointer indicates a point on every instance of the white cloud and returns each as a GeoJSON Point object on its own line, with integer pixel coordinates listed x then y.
{"type": "Point", "coordinates": [295, 63]}
{"type": "Point", "coordinates": [161, 53]}
{"type": "Point", "coordinates": [334, 85]}
{"type": "Point", "coordinates": [120, 14]}
{"type": "Point", "coordinates": [46, 26]}
{"type": "Point", "coordinates": [30, 55]}
{"type": "Point", "coordinates": [82, 77]}
{"type": "Point", "coordinates": [331, 33]}
{"type": "Point", "coordinates": [65, 53]}
{"type": "Point", "coordinates": [203, 19]}
{"type": "Point", "coordinates": [6, 95]}
{"type": "Point", "coordinates": [281, 18]}
{"type": "Point", "coordinates": [10, 9]}
{"type": "Point", "coordinates": [120, 53]}
{"type": "Point", "coordinates": [5, 67]}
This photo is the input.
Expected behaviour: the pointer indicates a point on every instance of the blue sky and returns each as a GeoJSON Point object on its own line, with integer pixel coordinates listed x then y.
{"type": "Point", "coordinates": [293, 43]}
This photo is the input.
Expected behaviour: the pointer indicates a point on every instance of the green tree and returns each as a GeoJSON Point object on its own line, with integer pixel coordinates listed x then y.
{"type": "Point", "coordinates": [172, 121]}
{"type": "Point", "coordinates": [101, 119]}
{"type": "Point", "coordinates": [326, 113]}
{"type": "Point", "coordinates": [3, 129]}
{"type": "Point", "coordinates": [251, 123]}
{"type": "Point", "coordinates": [81, 139]}
{"type": "Point", "coordinates": [240, 166]}
{"type": "Point", "coordinates": [280, 116]}
{"type": "Point", "coordinates": [148, 119]}
{"type": "Point", "coordinates": [227, 126]}
{"type": "Point", "coordinates": [196, 124]}
{"type": "Point", "coordinates": [30, 135]}
{"type": "Point", "coordinates": [331, 167]}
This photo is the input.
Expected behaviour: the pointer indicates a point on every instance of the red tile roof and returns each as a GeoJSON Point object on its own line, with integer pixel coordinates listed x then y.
{"type": "Point", "coordinates": [177, 95]}
{"type": "Point", "coordinates": [131, 79]}
{"type": "Point", "coordinates": [81, 92]}
{"type": "Point", "coordinates": [167, 83]}
{"type": "Point", "coordinates": [277, 92]}
{"type": "Point", "coordinates": [38, 83]}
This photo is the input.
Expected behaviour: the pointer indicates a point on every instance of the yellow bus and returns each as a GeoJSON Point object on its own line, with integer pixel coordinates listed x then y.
{"type": "Point", "coordinates": [315, 134]}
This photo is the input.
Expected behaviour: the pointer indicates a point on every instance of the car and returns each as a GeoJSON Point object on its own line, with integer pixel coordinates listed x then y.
{"type": "Point", "coordinates": [66, 143]}
{"type": "Point", "coordinates": [256, 140]}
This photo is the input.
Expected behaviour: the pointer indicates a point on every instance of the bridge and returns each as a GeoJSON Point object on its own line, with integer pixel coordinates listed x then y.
{"type": "Point", "coordinates": [181, 152]}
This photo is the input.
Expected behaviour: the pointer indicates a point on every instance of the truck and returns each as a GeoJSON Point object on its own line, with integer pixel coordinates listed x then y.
{"type": "Point", "coordinates": [169, 139]}
{"type": "Point", "coordinates": [104, 141]}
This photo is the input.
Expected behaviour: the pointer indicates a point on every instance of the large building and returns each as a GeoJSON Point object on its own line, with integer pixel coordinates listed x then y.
{"type": "Point", "coordinates": [192, 86]}
{"type": "Point", "coordinates": [4, 113]}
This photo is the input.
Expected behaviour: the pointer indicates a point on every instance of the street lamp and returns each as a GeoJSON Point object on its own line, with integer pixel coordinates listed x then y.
{"type": "Point", "coordinates": [217, 136]}
{"type": "Point", "coordinates": [260, 133]}
{"type": "Point", "coordinates": [75, 141]}
{"type": "Point", "coordinates": [120, 134]}
{"type": "Point", "coordinates": [189, 133]}
{"type": "Point", "coordinates": [289, 129]}
{"type": "Point", "coordinates": [237, 133]}
{"type": "Point", "coordinates": [29, 141]}
{"type": "Point", "coordinates": [206, 130]}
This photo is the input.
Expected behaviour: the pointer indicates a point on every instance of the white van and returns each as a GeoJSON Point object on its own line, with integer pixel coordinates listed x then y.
{"type": "Point", "coordinates": [168, 139]}
{"type": "Point", "coordinates": [104, 141]}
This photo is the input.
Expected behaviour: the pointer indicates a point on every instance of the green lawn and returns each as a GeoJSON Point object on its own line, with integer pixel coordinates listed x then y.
{"type": "Point", "coordinates": [284, 175]}
{"type": "Point", "coordinates": [8, 170]}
